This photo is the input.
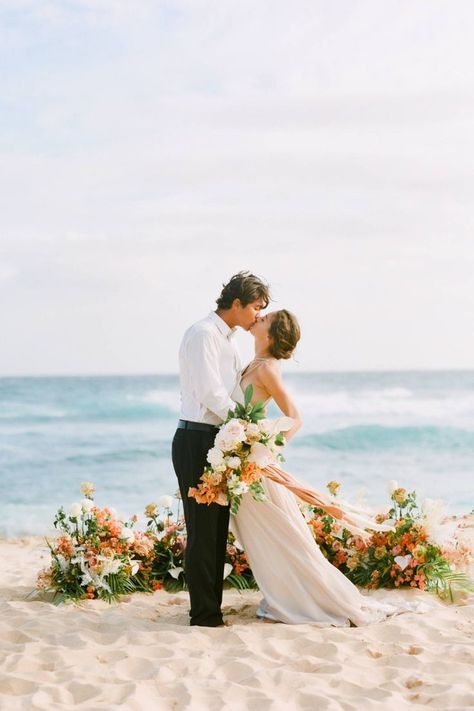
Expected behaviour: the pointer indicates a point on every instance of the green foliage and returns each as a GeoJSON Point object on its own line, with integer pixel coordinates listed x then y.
{"type": "Point", "coordinates": [247, 411]}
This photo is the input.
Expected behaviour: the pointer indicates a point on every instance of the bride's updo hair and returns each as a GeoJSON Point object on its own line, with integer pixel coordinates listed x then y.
{"type": "Point", "coordinates": [284, 334]}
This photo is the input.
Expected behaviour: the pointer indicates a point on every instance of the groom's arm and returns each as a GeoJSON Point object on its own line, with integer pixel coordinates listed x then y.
{"type": "Point", "coordinates": [203, 366]}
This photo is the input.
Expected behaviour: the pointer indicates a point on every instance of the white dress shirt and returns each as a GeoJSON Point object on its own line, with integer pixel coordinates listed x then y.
{"type": "Point", "coordinates": [210, 366]}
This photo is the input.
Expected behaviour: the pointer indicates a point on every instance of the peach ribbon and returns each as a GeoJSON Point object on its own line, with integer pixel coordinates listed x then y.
{"type": "Point", "coordinates": [352, 518]}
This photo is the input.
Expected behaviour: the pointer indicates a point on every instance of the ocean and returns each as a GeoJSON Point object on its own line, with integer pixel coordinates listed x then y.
{"type": "Point", "coordinates": [362, 429]}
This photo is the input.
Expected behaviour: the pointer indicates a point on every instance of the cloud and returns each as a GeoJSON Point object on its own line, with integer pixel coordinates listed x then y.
{"type": "Point", "coordinates": [151, 149]}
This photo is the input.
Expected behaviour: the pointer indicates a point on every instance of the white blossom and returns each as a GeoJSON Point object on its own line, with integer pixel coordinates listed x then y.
{"type": "Point", "coordinates": [165, 501]}
{"type": "Point", "coordinates": [233, 462]}
{"type": "Point", "coordinates": [174, 572]}
{"type": "Point", "coordinates": [75, 510]}
{"type": "Point", "coordinates": [260, 454]}
{"type": "Point", "coordinates": [215, 457]}
{"type": "Point", "coordinates": [127, 534]}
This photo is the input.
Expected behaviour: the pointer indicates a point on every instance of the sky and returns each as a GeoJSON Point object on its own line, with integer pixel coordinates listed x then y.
{"type": "Point", "coordinates": [149, 150]}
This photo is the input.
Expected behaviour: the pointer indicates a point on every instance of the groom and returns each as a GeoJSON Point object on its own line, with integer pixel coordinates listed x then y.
{"type": "Point", "coordinates": [209, 372]}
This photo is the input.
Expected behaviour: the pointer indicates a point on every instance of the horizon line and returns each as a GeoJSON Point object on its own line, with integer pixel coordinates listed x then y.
{"type": "Point", "coordinates": [124, 374]}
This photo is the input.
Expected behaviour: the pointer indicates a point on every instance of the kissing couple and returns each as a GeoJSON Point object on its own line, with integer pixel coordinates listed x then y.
{"type": "Point", "coordinates": [297, 582]}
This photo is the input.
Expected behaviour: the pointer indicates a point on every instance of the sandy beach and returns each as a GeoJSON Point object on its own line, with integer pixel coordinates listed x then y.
{"type": "Point", "coordinates": [141, 654]}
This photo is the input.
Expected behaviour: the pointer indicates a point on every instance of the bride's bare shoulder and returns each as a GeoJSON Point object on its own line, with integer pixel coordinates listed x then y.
{"type": "Point", "coordinates": [270, 368]}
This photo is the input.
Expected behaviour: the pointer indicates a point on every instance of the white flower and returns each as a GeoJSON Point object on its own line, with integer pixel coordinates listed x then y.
{"type": "Point", "coordinates": [236, 486]}
{"type": "Point", "coordinates": [75, 510]}
{"type": "Point", "coordinates": [63, 563]}
{"type": "Point", "coordinates": [174, 572]}
{"type": "Point", "coordinates": [109, 565]}
{"type": "Point", "coordinates": [165, 501]}
{"type": "Point", "coordinates": [127, 534]}
{"type": "Point", "coordinates": [230, 436]}
{"type": "Point", "coordinates": [273, 427]}
{"type": "Point", "coordinates": [135, 567]}
{"type": "Point", "coordinates": [87, 488]}
{"type": "Point", "coordinates": [233, 462]}
{"type": "Point", "coordinates": [227, 570]}
{"type": "Point", "coordinates": [239, 489]}
{"type": "Point", "coordinates": [215, 457]}
{"type": "Point", "coordinates": [87, 505]}
{"type": "Point", "coordinates": [220, 442]}
{"type": "Point", "coordinates": [234, 430]}
{"type": "Point", "coordinates": [392, 485]}
{"type": "Point", "coordinates": [238, 545]}
{"type": "Point", "coordinates": [260, 454]}
{"type": "Point", "coordinates": [252, 430]}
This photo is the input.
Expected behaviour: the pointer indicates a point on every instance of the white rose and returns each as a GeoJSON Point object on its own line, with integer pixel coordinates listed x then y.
{"type": "Point", "coordinates": [75, 510]}
{"type": "Point", "coordinates": [220, 441]}
{"type": "Point", "coordinates": [215, 457]}
{"type": "Point", "coordinates": [228, 568]}
{"type": "Point", "coordinates": [252, 430]}
{"type": "Point", "coordinates": [233, 462]}
{"type": "Point", "coordinates": [166, 502]}
{"type": "Point", "coordinates": [260, 454]}
{"type": "Point", "coordinates": [87, 505]}
{"type": "Point", "coordinates": [234, 430]}
{"type": "Point", "coordinates": [127, 534]}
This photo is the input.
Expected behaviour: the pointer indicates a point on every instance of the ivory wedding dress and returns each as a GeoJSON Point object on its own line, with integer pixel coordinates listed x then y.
{"type": "Point", "coordinates": [299, 585]}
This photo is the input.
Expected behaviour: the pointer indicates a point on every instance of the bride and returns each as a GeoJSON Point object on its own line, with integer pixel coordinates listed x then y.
{"type": "Point", "coordinates": [298, 583]}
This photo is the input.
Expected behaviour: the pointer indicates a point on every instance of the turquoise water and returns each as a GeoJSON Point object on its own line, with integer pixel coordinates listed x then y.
{"type": "Point", "coordinates": [362, 429]}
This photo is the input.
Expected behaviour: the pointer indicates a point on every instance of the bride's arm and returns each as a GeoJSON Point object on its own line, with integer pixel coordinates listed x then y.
{"type": "Point", "coordinates": [271, 380]}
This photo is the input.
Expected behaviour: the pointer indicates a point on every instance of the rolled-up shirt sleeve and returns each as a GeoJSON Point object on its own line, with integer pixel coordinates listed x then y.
{"type": "Point", "coordinates": [202, 359]}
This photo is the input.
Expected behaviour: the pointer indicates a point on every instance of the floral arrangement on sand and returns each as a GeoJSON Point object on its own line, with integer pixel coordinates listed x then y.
{"type": "Point", "coordinates": [407, 556]}
{"type": "Point", "coordinates": [245, 444]}
{"type": "Point", "coordinates": [168, 569]}
{"type": "Point", "coordinates": [97, 555]}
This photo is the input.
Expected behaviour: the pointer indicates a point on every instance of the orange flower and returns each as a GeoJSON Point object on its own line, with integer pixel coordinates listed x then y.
{"type": "Point", "coordinates": [65, 546]}
{"type": "Point", "coordinates": [251, 473]}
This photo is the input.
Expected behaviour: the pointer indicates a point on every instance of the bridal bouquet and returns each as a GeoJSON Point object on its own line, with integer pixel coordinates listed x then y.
{"type": "Point", "coordinates": [96, 555]}
{"type": "Point", "coordinates": [245, 444]}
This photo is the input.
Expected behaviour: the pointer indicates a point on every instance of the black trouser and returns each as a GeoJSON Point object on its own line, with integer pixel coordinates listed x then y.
{"type": "Point", "coordinates": [207, 529]}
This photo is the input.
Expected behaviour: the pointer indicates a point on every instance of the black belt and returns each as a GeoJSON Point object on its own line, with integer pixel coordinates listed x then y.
{"type": "Point", "coordinates": [203, 426]}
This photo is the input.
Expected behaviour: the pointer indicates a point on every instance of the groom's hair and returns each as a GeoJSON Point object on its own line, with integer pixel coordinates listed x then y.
{"type": "Point", "coordinates": [246, 287]}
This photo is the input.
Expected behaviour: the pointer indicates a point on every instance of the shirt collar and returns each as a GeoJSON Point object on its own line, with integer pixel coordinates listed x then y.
{"type": "Point", "coordinates": [222, 326]}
